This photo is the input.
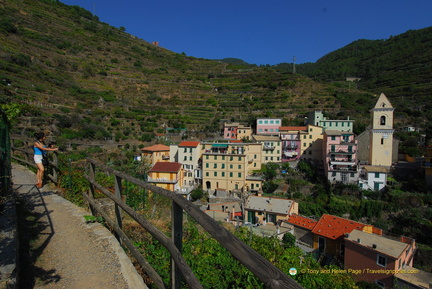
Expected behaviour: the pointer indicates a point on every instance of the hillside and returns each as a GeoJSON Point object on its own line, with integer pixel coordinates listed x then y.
{"type": "Point", "coordinates": [84, 79]}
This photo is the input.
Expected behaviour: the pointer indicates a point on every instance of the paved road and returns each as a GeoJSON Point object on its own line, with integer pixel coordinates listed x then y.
{"type": "Point", "coordinates": [59, 249]}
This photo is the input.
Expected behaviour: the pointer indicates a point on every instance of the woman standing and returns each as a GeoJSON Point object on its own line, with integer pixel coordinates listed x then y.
{"type": "Point", "coordinates": [40, 149]}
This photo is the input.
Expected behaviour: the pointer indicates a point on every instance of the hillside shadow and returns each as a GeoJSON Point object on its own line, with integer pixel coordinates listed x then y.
{"type": "Point", "coordinates": [35, 231]}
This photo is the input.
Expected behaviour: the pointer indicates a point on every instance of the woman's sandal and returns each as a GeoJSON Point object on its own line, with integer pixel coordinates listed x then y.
{"type": "Point", "coordinates": [39, 185]}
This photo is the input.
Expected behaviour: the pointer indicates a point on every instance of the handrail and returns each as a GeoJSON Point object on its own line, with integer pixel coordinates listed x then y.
{"type": "Point", "coordinates": [263, 269]}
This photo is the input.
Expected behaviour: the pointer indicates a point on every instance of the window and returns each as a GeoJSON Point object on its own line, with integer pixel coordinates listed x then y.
{"type": "Point", "coordinates": [231, 166]}
{"type": "Point", "coordinates": [381, 260]}
{"type": "Point", "coordinates": [239, 175]}
{"type": "Point", "coordinates": [207, 174]}
{"type": "Point", "coordinates": [185, 158]}
{"type": "Point", "coordinates": [379, 284]}
{"type": "Point", "coordinates": [207, 157]}
{"type": "Point", "coordinates": [377, 175]}
{"type": "Point", "coordinates": [333, 137]}
{"type": "Point", "coordinates": [223, 166]}
{"type": "Point", "coordinates": [215, 166]}
{"type": "Point", "coordinates": [231, 174]}
{"type": "Point", "coordinates": [239, 167]}
{"type": "Point", "coordinates": [382, 120]}
{"type": "Point", "coordinates": [215, 174]}
{"type": "Point", "coordinates": [310, 136]}
{"type": "Point", "coordinates": [382, 141]}
{"type": "Point", "coordinates": [223, 174]}
{"type": "Point", "coordinates": [223, 158]}
{"type": "Point", "coordinates": [185, 150]}
{"type": "Point", "coordinates": [215, 157]}
{"type": "Point", "coordinates": [207, 165]}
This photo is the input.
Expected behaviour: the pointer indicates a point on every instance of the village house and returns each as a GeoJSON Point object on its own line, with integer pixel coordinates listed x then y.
{"type": "Point", "coordinates": [263, 210]}
{"type": "Point", "coordinates": [188, 153]}
{"type": "Point", "coordinates": [373, 178]}
{"type": "Point", "coordinates": [291, 142]}
{"type": "Point", "coordinates": [340, 161]}
{"type": "Point", "coordinates": [229, 166]}
{"type": "Point", "coordinates": [329, 233]}
{"type": "Point", "coordinates": [377, 257]}
{"type": "Point", "coordinates": [271, 148]}
{"type": "Point", "coordinates": [301, 228]}
{"type": "Point", "coordinates": [268, 126]}
{"type": "Point", "coordinates": [311, 143]}
{"type": "Point", "coordinates": [237, 131]}
{"type": "Point", "coordinates": [317, 118]}
{"type": "Point", "coordinates": [228, 211]}
{"type": "Point", "coordinates": [155, 153]}
{"type": "Point", "coordinates": [167, 175]}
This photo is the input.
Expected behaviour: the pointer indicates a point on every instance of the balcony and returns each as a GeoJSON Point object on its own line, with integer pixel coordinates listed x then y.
{"type": "Point", "coordinates": [342, 152]}
{"type": "Point", "coordinates": [343, 162]}
{"type": "Point", "coordinates": [268, 148]}
{"type": "Point", "coordinates": [161, 180]}
{"type": "Point", "coordinates": [343, 168]}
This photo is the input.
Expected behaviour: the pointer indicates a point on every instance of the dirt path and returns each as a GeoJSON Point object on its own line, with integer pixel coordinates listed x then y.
{"type": "Point", "coordinates": [59, 249]}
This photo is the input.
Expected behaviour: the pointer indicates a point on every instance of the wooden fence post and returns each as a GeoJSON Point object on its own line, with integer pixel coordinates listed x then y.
{"type": "Point", "coordinates": [92, 174]}
{"type": "Point", "coordinates": [177, 235]}
{"type": "Point", "coordinates": [117, 211]}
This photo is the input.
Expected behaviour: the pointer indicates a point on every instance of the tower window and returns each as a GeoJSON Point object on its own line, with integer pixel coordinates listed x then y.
{"type": "Point", "coordinates": [382, 141]}
{"type": "Point", "coordinates": [382, 120]}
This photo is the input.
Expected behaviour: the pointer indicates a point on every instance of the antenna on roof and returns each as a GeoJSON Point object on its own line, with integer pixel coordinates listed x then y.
{"type": "Point", "coordinates": [294, 60]}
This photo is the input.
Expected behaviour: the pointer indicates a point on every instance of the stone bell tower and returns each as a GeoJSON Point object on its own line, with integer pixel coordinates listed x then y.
{"type": "Point", "coordinates": [381, 133]}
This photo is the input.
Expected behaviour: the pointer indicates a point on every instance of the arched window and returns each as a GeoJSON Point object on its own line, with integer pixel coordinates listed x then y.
{"type": "Point", "coordinates": [382, 120]}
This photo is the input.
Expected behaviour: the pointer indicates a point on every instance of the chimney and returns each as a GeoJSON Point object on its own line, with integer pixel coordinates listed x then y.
{"type": "Point", "coordinates": [374, 246]}
{"type": "Point", "coordinates": [358, 240]}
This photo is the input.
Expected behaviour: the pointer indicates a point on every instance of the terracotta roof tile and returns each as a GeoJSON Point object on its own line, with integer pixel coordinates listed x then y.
{"type": "Point", "coordinates": [189, 144]}
{"type": "Point", "coordinates": [156, 148]}
{"type": "Point", "coordinates": [334, 227]}
{"type": "Point", "coordinates": [302, 221]}
{"type": "Point", "coordinates": [166, 167]}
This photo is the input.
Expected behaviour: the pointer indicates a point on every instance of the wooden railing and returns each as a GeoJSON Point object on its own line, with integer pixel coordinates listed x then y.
{"type": "Point", "coordinates": [263, 269]}
{"type": "Point", "coordinates": [22, 151]}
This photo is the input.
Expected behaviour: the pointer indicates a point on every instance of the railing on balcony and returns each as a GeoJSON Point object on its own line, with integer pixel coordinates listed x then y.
{"type": "Point", "coordinates": [268, 147]}
{"type": "Point", "coordinates": [162, 180]}
{"type": "Point", "coordinates": [342, 151]}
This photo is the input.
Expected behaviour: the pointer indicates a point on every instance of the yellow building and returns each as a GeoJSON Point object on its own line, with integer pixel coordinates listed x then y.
{"type": "Point", "coordinates": [155, 153]}
{"type": "Point", "coordinates": [381, 133]}
{"type": "Point", "coordinates": [167, 175]}
{"type": "Point", "coordinates": [229, 166]}
{"type": "Point", "coordinates": [311, 143]}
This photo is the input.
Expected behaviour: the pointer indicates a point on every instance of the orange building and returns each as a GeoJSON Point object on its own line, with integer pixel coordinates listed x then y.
{"type": "Point", "coordinates": [155, 153]}
{"type": "Point", "coordinates": [329, 234]}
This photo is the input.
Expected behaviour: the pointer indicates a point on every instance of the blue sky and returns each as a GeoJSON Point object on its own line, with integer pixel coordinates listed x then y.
{"type": "Point", "coordinates": [260, 31]}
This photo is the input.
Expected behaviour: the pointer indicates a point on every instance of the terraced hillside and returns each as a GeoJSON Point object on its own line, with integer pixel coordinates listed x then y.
{"type": "Point", "coordinates": [84, 79]}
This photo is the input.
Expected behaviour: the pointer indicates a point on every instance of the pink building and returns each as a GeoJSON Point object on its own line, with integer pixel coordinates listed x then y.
{"type": "Point", "coordinates": [291, 142]}
{"type": "Point", "coordinates": [340, 156]}
{"type": "Point", "coordinates": [268, 126]}
{"type": "Point", "coordinates": [377, 258]}
{"type": "Point", "coordinates": [230, 130]}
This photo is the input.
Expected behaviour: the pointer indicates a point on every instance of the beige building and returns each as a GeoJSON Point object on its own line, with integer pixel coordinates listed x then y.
{"type": "Point", "coordinates": [381, 134]}
{"type": "Point", "coordinates": [272, 148]}
{"type": "Point", "coordinates": [229, 166]}
{"type": "Point", "coordinates": [311, 143]}
{"type": "Point", "coordinates": [263, 210]}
